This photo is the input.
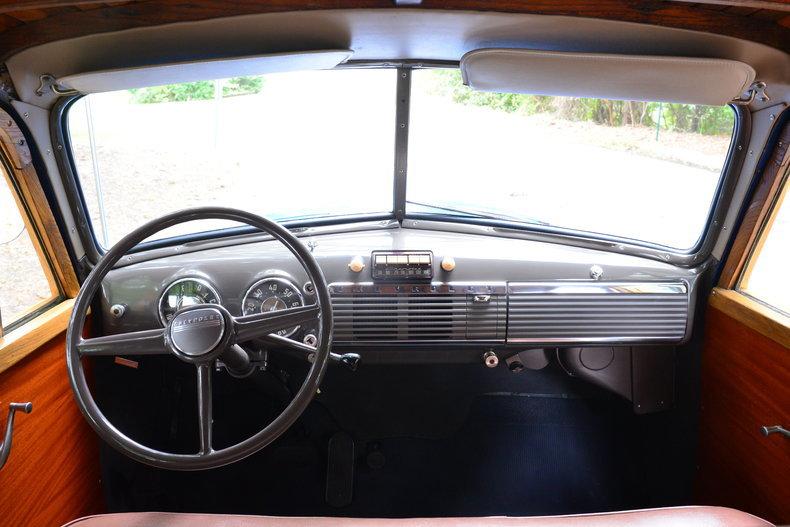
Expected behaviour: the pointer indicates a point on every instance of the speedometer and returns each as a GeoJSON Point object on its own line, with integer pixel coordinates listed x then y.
{"type": "Point", "coordinates": [185, 292]}
{"type": "Point", "coordinates": [272, 294]}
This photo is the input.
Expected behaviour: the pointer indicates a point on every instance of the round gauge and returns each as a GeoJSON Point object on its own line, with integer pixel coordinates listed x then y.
{"type": "Point", "coordinates": [185, 292]}
{"type": "Point", "coordinates": [272, 294]}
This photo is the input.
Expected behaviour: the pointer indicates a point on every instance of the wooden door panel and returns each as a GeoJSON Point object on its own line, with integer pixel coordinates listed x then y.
{"type": "Point", "coordinates": [744, 386]}
{"type": "Point", "coordinates": [52, 475]}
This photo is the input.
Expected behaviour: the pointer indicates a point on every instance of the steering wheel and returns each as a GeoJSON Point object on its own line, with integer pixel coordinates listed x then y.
{"type": "Point", "coordinates": [199, 335]}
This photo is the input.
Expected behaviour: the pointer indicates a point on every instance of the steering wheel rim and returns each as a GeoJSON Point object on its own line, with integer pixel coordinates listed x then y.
{"type": "Point", "coordinates": [206, 458]}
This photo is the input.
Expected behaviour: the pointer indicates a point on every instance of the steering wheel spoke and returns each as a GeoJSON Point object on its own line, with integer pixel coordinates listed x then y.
{"type": "Point", "coordinates": [249, 327]}
{"type": "Point", "coordinates": [147, 342]}
{"type": "Point", "coordinates": [205, 408]}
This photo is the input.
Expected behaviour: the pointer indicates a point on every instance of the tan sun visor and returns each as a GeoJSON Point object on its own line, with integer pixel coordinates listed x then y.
{"type": "Point", "coordinates": [606, 76]}
{"type": "Point", "coordinates": [173, 73]}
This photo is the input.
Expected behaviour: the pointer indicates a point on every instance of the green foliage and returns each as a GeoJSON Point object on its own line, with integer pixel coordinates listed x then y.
{"type": "Point", "coordinates": [197, 91]}
{"type": "Point", "coordinates": [242, 86]}
{"type": "Point", "coordinates": [708, 120]}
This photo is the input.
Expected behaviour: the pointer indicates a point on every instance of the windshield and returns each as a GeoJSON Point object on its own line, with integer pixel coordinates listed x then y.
{"type": "Point", "coordinates": [600, 166]}
{"type": "Point", "coordinates": [321, 144]}
{"type": "Point", "coordinates": [286, 146]}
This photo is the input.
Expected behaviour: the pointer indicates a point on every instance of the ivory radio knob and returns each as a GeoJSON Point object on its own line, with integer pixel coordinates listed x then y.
{"type": "Point", "coordinates": [356, 264]}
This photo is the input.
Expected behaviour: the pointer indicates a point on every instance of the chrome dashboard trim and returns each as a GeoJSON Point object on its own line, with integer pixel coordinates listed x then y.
{"type": "Point", "coordinates": [438, 288]}
{"type": "Point", "coordinates": [585, 288]}
{"type": "Point", "coordinates": [279, 280]}
{"type": "Point", "coordinates": [376, 314]}
{"type": "Point", "coordinates": [574, 312]}
{"type": "Point", "coordinates": [202, 281]}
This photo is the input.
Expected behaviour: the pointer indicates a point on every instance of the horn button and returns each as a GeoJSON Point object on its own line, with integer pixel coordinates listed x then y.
{"type": "Point", "coordinates": [195, 333]}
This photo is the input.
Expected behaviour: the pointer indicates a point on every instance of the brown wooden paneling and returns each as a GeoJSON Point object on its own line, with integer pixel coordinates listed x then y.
{"type": "Point", "coordinates": [779, 5]}
{"type": "Point", "coordinates": [744, 386]}
{"type": "Point", "coordinates": [147, 13]}
{"type": "Point", "coordinates": [52, 474]}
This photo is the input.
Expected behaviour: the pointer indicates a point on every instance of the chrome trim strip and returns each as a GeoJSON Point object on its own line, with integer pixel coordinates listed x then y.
{"type": "Point", "coordinates": [436, 288]}
{"type": "Point", "coordinates": [597, 288]}
{"type": "Point", "coordinates": [576, 312]}
{"type": "Point", "coordinates": [596, 340]}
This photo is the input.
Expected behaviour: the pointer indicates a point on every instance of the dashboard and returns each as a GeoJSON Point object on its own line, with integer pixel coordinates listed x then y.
{"type": "Point", "coordinates": [407, 294]}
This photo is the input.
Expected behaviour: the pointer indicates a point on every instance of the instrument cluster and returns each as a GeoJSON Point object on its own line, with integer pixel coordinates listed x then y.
{"type": "Point", "coordinates": [272, 293]}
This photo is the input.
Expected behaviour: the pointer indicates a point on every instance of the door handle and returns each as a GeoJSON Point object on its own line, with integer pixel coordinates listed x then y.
{"type": "Point", "coordinates": [5, 447]}
{"type": "Point", "coordinates": [768, 430]}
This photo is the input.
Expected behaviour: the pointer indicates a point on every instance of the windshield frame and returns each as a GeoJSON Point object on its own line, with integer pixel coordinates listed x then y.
{"type": "Point", "coordinates": [451, 222]}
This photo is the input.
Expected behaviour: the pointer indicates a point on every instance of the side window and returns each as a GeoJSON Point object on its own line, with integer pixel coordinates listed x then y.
{"type": "Point", "coordinates": [27, 284]}
{"type": "Point", "coordinates": [765, 276]}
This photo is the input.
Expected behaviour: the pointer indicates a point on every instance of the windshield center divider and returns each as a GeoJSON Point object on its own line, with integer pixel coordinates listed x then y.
{"type": "Point", "coordinates": [403, 95]}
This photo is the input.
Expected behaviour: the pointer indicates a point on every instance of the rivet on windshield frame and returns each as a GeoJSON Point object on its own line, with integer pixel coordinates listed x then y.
{"type": "Point", "coordinates": [403, 125]}
{"type": "Point", "coordinates": [740, 147]}
{"type": "Point", "coordinates": [26, 114]}
{"type": "Point", "coordinates": [771, 117]}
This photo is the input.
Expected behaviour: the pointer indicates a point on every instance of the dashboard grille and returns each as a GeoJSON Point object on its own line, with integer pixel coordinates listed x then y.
{"type": "Point", "coordinates": [419, 316]}
{"type": "Point", "coordinates": [597, 312]}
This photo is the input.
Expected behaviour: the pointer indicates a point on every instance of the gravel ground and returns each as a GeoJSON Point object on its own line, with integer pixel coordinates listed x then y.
{"type": "Point", "coordinates": [22, 282]}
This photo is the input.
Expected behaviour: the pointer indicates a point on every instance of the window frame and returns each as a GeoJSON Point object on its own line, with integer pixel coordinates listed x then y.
{"type": "Point", "coordinates": [769, 181]}
{"type": "Point", "coordinates": [682, 258]}
{"type": "Point", "coordinates": [775, 203]}
{"type": "Point", "coordinates": [56, 291]}
{"type": "Point", "coordinates": [25, 171]}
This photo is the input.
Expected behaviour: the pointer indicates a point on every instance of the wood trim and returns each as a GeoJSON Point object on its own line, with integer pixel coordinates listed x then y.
{"type": "Point", "coordinates": [75, 23]}
{"type": "Point", "coordinates": [48, 230]}
{"type": "Point", "coordinates": [7, 6]}
{"type": "Point", "coordinates": [45, 226]}
{"type": "Point", "coordinates": [757, 249]}
{"type": "Point", "coordinates": [759, 208]}
{"type": "Point", "coordinates": [53, 473]}
{"type": "Point", "coordinates": [743, 387]}
{"type": "Point", "coordinates": [752, 314]}
{"type": "Point", "coordinates": [27, 338]}
{"type": "Point", "coordinates": [774, 5]}
{"type": "Point", "coordinates": [32, 231]}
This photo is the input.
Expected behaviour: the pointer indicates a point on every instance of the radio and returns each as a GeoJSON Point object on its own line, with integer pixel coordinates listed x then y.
{"type": "Point", "coordinates": [402, 265]}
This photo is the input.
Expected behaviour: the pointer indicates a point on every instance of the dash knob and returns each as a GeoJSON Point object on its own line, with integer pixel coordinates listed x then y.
{"type": "Point", "coordinates": [448, 263]}
{"type": "Point", "coordinates": [356, 264]}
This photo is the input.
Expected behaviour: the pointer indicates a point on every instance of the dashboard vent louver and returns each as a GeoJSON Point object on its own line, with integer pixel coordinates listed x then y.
{"type": "Point", "coordinates": [416, 314]}
{"type": "Point", "coordinates": [574, 312]}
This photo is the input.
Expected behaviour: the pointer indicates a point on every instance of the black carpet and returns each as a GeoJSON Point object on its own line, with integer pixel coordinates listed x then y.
{"type": "Point", "coordinates": [429, 441]}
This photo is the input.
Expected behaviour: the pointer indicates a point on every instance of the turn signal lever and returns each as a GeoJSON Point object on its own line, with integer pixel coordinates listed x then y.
{"type": "Point", "coordinates": [5, 447]}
